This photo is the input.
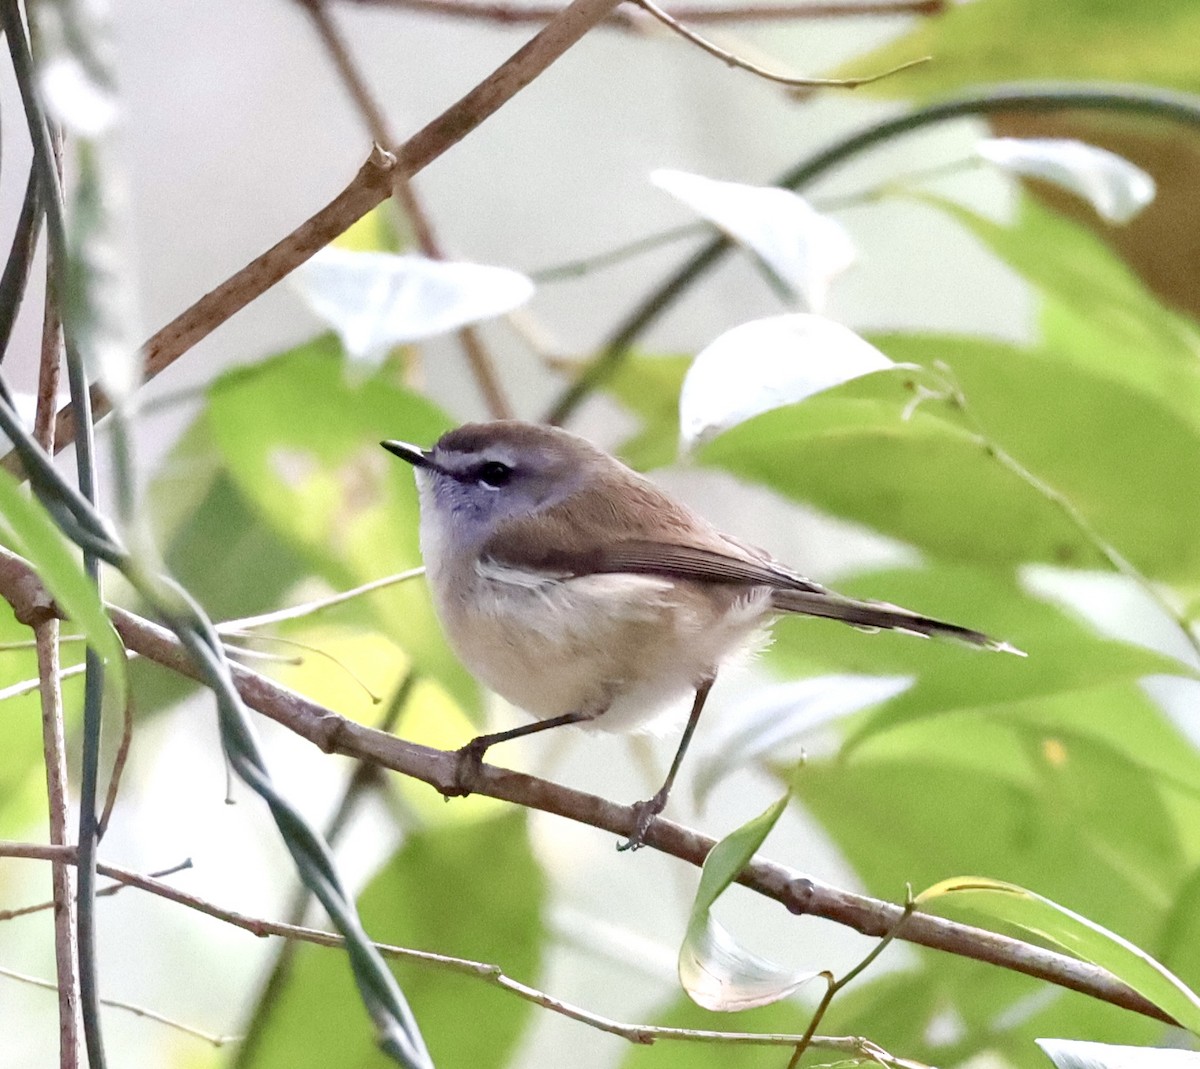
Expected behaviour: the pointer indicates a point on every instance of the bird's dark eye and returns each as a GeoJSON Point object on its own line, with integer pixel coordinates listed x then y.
{"type": "Point", "coordinates": [494, 474]}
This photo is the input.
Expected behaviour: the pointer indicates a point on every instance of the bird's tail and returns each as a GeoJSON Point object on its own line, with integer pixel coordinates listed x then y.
{"type": "Point", "coordinates": [878, 615]}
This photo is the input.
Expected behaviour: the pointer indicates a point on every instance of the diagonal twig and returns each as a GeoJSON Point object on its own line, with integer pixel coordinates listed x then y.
{"type": "Point", "coordinates": [369, 187]}
{"type": "Point", "coordinates": [729, 59]}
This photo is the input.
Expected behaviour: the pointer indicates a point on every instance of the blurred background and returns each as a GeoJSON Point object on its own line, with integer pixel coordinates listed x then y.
{"type": "Point", "coordinates": [235, 128]}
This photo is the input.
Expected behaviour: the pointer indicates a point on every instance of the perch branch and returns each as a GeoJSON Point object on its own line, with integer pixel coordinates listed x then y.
{"type": "Point", "coordinates": [799, 893]}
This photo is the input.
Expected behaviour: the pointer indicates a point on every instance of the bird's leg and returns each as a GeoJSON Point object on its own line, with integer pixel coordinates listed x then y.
{"type": "Point", "coordinates": [645, 812]}
{"type": "Point", "coordinates": [470, 757]}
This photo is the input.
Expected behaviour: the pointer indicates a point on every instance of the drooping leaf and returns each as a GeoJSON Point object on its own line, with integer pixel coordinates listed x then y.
{"type": "Point", "coordinates": [995, 900]}
{"type": "Point", "coordinates": [804, 249]}
{"type": "Point", "coordinates": [377, 300]}
{"type": "Point", "coordinates": [715, 971]}
{"type": "Point", "coordinates": [1116, 188]}
{"type": "Point", "coordinates": [766, 364]}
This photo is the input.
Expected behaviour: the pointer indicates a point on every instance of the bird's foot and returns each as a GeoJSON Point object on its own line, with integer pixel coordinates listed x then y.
{"type": "Point", "coordinates": [468, 770]}
{"type": "Point", "coordinates": [643, 816]}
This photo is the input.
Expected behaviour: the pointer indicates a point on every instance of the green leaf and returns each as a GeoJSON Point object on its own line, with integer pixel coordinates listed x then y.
{"type": "Point", "coordinates": [943, 1010]}
{"type": "Point", "coordinates": [1064, 929]}
{"type": "Point", "coordinates": [215, 541]}
{"type": "Point", "coordinates": [714, 970]}
{"type": "Point", "coordinates": [1066, 40]}
{"type": "Point", "coordinates": [1035, 793]}
{"type": "Point", "coordinates": [34, 535]}
{"type": "Point", "coordinates": [1114, 453]}
{"type": "Point", "coordinates": [301, 444]}
{"type": "Point", "coordinates": [1064, 655]}
{"type": "Point", "coordinates": [649, 387]}
{"type": "Point", "coordinates": [924, 480]}
{"type": "Point", "coordinates": [431, 895]}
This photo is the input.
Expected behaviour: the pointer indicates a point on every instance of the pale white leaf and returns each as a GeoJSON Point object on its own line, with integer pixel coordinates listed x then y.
{"type": "Point", "coordinates": [1116, 188]}
{"type": "Point", "coordinates": [806, 249]}
{"type": "Point", "coordinates": [765, 364]}
{"type": "Point", "coordinates": [721, 975]}
{"type": "Point", "coordinates": [84, 105]}
{"type": "Point", "coordinates": [716, 972]}
{"type": "Point", "coordinates": [1084, 1054]}
{"type": "Point", "coordinates": [776, 720]}
{"type": "Point", "coordinates": [376, 300]}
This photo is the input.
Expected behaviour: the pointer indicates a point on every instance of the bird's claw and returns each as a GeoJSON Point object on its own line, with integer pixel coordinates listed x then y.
{"type": "Point", "coordinates": [468, 770]}
{"type": "Point", "coordinates": [643, 816]}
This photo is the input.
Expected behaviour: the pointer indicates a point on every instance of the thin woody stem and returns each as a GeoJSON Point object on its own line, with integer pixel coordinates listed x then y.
{"type": "Point", "coordinates": [786, 11]}
{"type": "Point", "coordinates": [854, 1046]}
{"type": "Point", "coordinates": [369, 188]}
{"type": "Point", "coordinates": [46, 638]}
{"type": "Point", "coordinates": [732, 60]}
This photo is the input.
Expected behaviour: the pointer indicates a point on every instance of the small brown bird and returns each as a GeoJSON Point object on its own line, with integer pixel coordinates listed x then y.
{"type": "Point", "coordinates": [581, 592]}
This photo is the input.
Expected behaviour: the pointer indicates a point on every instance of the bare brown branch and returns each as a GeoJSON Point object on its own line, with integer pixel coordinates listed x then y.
{"type": "Point", "coordinates": [799, 893]}
{"type": "Point", "coordinates": [54, 745]}
{"type": "Point", "coordinates": [369, 187]}
{"type": "Point", "coordinates": [785, 11]}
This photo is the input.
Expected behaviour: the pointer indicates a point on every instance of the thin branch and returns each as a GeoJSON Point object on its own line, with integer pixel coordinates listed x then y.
{"type": "Point", "coordinates": [310, 608]}
{"type": "Point", "coordinates": [369, 188]}
{"type": "Point", "coordinates": [103, 892]}
{"type": "Point", "coordinates": [28, 686]}
{"type": "Point", "coordinates": [128, 1007]}
{"type": "Point", "coordinates": [514, 14]}
{"type": "Point", "coordinates": [54, 748]}
{"type": "Point", "coordinates": [478, 358]}
{"type": "Point", "coordinates": [799, 893]}
{"type": "Point", "coordinates": [587, 264]}
{"type": "Point", "coordinates": [46, 638]}
{"type": "Point", "coordinates": [855, 1046]}
{"type": "Point", "coordinates": [732, 60]}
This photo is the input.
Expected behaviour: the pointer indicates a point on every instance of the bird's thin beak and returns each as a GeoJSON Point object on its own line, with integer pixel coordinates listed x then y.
{"type": "Point", "coordinates": [414, 454]}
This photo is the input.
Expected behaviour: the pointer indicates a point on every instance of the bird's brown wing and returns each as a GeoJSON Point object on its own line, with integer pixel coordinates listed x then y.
{"type": "Point", "coordinates": [646, 532]}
